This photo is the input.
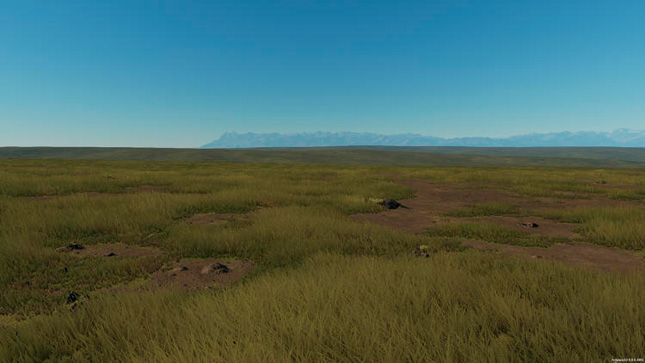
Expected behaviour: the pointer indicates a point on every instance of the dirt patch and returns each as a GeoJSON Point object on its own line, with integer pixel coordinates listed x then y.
{"type": "Point", "coordinates": [193, 274]}
{"type": "Point", "coordinates": [545, 227]}
{"type": "Point", "coordinates": [433, 200]}
{"type": "Point", "coordinates": [112, 250]}
{"type": "Point", "coordinates": [444, 198]}
{"type": "Point", "coordinates": [576, 254]}
{"type": "Point", "coordinates": [41, 198]}
{"type": "Point", "coordinates": [146, 188]}
{"type": "Point", "coordinates": [410, 220]}
{"type": "Point", "coordinates": [214, 219]}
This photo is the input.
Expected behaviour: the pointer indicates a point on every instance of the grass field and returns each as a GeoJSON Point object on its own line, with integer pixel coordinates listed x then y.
{"type": "Point", "coordinates": [594, 157]}
{"type": "Point", "coordinates": [325, 287]}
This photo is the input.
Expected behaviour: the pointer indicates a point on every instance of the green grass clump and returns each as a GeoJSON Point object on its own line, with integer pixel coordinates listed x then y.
{"type": "Point", "coordinates": [490, 232]}
{"type": "Point", "coordinates": [610, 226]}
{"type": "Point", "coordinates": [450, 307]}
{"type": "Point", "coordinates": [486, 209]}
{"type": "Point", "coordinates": [628, 194]}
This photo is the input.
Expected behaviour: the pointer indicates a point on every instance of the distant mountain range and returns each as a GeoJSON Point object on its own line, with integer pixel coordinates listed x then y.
{"type": "Point", "coordinates": [620, 137]}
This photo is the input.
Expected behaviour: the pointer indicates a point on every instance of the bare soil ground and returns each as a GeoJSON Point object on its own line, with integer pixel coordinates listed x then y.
{"type": "Point", "coordinates": [576, 254]}
{"type": "Point", "coordinates": [189, 274]}
{"type": "Point", "coordinates": [546, 227]}
{"type": "Point", "coordinates": [192, 274]}
{"type": "Point", "coordinates": [433, 200]}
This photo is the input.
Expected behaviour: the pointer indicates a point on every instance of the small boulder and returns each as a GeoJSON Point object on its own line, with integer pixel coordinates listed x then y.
{"type": "Point", "coordinates": [530, 224]}
{"type": "Point", "coordinates": [184, 268]}
{"type": "Point", "coordinates": [111, 254]}
{"type": "Point", "coordinates": [216, 268]}
{"type": "Point", "coordinates": [422, 251]}
{"type": "Point", "coordinates": [72, 297]}
{"type": "Point", "coordinates": [75, 247]}
{"type": "Point", "coordinates": [392, 204]}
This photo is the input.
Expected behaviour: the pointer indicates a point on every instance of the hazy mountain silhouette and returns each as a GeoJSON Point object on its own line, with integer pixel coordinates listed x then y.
{"type": "Point", "coordinates": [620, 137]}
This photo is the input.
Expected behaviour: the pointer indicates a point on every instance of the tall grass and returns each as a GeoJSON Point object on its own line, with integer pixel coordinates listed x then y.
{"type": "Point", "coordinates": [490, 232]}
{"type": "Point", "coordinates": [328, 288]}
{"type": "Point", "coordinates": [294, 204]}
{"type": "Point", "coordinates": [610, 226]}
{"type": "Point", "coordinates": [486, 209]}
{"type": "Point", "coordinates": [283, 236]}
{"type": "Point", "coordinates": [451, 307]}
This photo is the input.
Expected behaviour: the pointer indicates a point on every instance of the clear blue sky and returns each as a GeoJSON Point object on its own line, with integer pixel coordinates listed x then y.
{"type": "Point", "coordinates": [180, 73]}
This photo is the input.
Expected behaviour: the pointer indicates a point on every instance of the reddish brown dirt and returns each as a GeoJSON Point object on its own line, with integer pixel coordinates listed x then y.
{"type": "Point", "coordinates": [41, 197]}
{"type": "Point", "coordinates": [146, 188]}
{"type": "Point", "coordinates": [546, 227]}
{"type": "Point", "coordinates": [577, 254]}
{"type": "Point", "coordinates": [434, 199]}
{"type": "Point", "coordinates": [193, 274]}
{"type": "Point", "coordinates": [119, 249]}
{"type": "Point", "coordinates": [214, 219]}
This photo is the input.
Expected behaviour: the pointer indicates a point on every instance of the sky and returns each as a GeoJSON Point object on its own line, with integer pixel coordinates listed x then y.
{"type": "Point", "coordinates": [181, 73]}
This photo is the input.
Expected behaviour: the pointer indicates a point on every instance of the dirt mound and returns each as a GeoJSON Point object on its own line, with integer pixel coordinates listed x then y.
{"type": "Point", "coordinates": [192, 274]}
{"type": "Point", "coordinates": [576, 254]}
{"type": "Point", "coordinates": [214, 219]}
{"type": "Point", "coordinates": [110, 250]}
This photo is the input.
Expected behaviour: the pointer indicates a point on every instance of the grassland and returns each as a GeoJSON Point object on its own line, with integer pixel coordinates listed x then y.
{"type": "Point", "coordinates": [325, 288]}
{"type": "Point", "coordinates": [359, 155]}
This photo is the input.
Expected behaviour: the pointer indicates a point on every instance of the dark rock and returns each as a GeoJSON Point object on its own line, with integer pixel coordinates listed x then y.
{"type": "Point", "coordinates": [220, 268]}
{"type": "Point", "coordinates": [72, 297]}
{"type": "Point", "coordinates": [75, 246]}
{"type": "Point", "coordinates": [422, 251]}
{"type": "Point", "coordinates": [392, 204]}
{"type": "Point", "coordinates": [184, 268]}
{"type": "Point", "coordinates": [530, 224]}
{"type": "Point", "coordinates": [111, 254]}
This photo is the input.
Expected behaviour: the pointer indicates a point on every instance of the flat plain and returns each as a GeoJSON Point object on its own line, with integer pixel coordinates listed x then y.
{"type": "Point", "coordinates": [228, 261]}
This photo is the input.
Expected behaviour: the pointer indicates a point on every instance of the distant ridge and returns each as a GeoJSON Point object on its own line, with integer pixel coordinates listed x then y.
{"type": "Point", "coordinates": [616, 138]}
